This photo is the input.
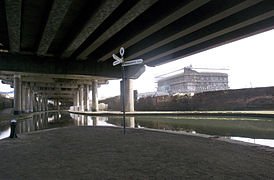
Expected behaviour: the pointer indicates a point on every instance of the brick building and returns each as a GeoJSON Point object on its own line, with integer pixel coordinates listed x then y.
{"type": "Point", "coordinates": [191, 81]}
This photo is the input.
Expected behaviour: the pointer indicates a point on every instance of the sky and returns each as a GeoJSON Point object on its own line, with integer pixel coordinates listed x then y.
{"type": "Point", "coordinates": [250, 62]}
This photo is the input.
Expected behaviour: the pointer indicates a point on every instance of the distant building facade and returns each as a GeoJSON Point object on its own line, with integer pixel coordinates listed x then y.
{"type": "Point", "coordinates": [191, 81]}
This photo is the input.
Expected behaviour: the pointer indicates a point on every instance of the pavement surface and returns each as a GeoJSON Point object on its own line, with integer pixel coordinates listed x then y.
{"type": "Point", "coordinates": [105, 153]}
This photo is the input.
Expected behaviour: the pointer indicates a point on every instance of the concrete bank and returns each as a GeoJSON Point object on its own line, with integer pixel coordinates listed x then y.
{"type": "Point", "coordinates": [268, 114]}
{"type": "Point", "coordinates": [105, 153]}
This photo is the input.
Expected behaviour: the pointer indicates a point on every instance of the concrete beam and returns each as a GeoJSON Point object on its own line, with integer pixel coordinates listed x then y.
{"type": "Point", "coordinates": [56, 16]}
{"type": "Point", "coordinates": [48, 82]}
{"type": "Point", "coordinates": [137, 51]}
{"type": "Point", "coordinates": [219, 41]}
{"type": "Point", "coordinates": [101, 13]}
{"type": "Point", "coordinates": [178, 13]}
{"type": "Point", "coordinates": [64, 97]}
{"type": "Point", "coordinates": [53, 91]}
{"type": "Point", "coordinates": [55, 66]}
{"type": "Point", "coordinates": [211, 36]}
{"type": "Point", "coordinates": [13, 13]}
{"type": "Point", "coordinates": [48, 70]}
{"type": "Point", "coordinates": [131, 14]}
{"type": "Point", "coordinates": [54, 85]}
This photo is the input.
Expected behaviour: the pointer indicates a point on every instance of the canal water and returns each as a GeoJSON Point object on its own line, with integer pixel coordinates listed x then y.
{"type": "Point", "coordinates": [248, 129]}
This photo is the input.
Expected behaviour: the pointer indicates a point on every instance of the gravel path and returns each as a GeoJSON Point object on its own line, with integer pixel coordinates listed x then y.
{"type": "Point", "coordinates": [105, 153]}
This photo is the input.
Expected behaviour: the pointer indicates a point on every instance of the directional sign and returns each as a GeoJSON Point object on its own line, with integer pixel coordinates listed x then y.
{"type": "Point", "coordinates": [116, 63]}
{"type": "Point", "coordinates": [117, 58]}
{"type": "Point", "coordinates": [122, 51]}
{"type": "Point", "coordinates": [133, 62]}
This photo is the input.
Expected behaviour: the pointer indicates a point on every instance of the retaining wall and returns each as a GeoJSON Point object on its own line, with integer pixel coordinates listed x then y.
{"type": "Point", "coordinates": [5, 102]}
{"type": "Point", "coordinates": [237, 99]}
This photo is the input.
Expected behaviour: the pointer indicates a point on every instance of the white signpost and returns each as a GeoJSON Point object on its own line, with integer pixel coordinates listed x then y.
{"type": "Point", "coordinates": [124, 63]}
{"type": "Point", "coordinates": [133, 62]}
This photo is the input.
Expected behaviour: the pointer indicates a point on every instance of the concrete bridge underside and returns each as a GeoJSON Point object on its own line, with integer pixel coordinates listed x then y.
{"type": "Point", "coordinates": [61, 49]}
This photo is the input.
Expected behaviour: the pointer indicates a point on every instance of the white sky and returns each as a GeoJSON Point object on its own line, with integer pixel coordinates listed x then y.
{"type": "Point", "coordinates": [250, 62]}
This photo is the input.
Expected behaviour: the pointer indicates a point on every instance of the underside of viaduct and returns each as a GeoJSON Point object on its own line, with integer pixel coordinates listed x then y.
{"type": "Point", "coordinates": [62, 49]}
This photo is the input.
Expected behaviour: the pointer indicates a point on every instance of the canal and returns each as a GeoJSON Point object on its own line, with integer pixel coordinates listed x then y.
{"type": "Point", "coordinates": [248, 129]}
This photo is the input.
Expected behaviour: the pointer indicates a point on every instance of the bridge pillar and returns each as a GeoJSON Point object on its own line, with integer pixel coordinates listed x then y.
{"type": "Point", "coordinates": [129, 97]}
{"type": "Point", "coordinates": [75, 101]}
{"type": "Point", "coordinates": [26, 98]}
{"type": "Point", "coordinates": [17, 94]}
{"type": "Point", "coordinates": [34, 104]}
{"type": "Point", "coordinates": [39, 103]}
{"type": "Point", "coordinates": [86, 98]}
{"type": "Point", "coordinates": [94, 95]}
{"type": "Point", "coordinates": [81, 98]}
{"type": "Point", "coordinates": [131, 122]}
{"type": "Point", "coordinates": [78, 100]}
{"type": "Point", "coordinates": [43, 103]}
{"type": "Point", "coordinates": [58, 105]}
{"type": "Point", "coordinates": [23, 98]}
{"type": "Point", "coordinates": [46, 104]}
{"type": "Point", "coordinates": [55, 106]}
{"type": "Point", "coordinates": [30, 101]}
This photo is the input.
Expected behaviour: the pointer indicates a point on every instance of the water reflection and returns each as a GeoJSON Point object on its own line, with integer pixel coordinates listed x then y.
{"type": "Point", "coordinates": [39, 121]}
{"type": "Point", "coordinates": [82, 120]}
{"type": "Point", "coordinates": [262, 128]}
{"type": "Point", "coordinates": [266, 142]}
{"type": "Point", "coordinates": [242, 127]}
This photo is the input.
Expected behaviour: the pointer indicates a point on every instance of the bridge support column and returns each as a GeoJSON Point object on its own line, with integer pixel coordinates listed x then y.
{"type": "Point", "coordinates": [46, 104]}
{"type": "Point", "coordinates": [17, 94]}
{"type": "Point", "coordinates": [23, 98]}
{"type": "Point", "coordinates": [30, 101]}
{"type": "Point", "coordinates": [34, 103]}
{"type": "Point", "coordinates": [58, 105]}
{"type": "Point", "coordinates": [39, 103]}
{"type": "Point", "coordinates": [74, 101]}
{"type": "Point", "coordinates": [86, 98]}
{"type": "Point", "coordinates": [95, 95]}
{"type": "Point", "coordinates": [55, 104]}
{"type": "Point", "coordinates": [131, 122]}
{"type": "Point", "coordinates": [26, 99]}
{"type": "Point", "coordinates": [42, 103]}
{"type": "Point", "coordinates": [81, 98]}
{"type": "Point", "coordinates": [129, 97]}
{"type": "Point", "coordinates": [78, 100]}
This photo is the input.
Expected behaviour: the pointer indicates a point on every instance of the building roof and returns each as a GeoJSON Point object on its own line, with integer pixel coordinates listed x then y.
{"type": "Point", "coordinates": [191, 72]}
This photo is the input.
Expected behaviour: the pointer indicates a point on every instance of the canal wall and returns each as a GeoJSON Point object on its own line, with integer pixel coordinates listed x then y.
{"type": "Point", "coordinates": [5, 102]}
{"type": "Point", "coordinates": [225, 100]}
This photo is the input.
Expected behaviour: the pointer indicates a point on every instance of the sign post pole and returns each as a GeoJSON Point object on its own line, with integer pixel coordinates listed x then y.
{"type": "Point", "coordinates": [123, 64]}
{"type": "Point", "coordinates": [123, 95]}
